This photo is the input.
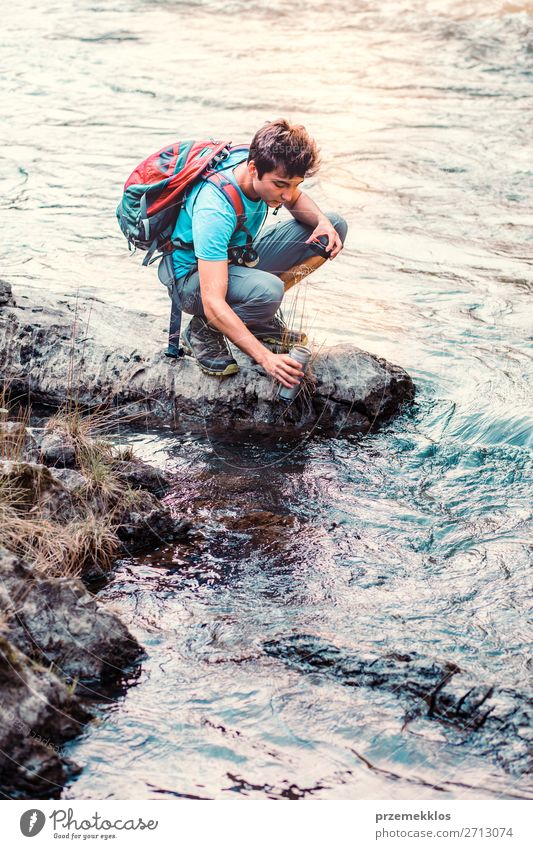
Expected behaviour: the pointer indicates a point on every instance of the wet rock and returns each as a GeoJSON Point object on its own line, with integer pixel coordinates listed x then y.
{"type": "Point", "coordinates": [58, 449]}
{"type": "Point", "coordinates": [148, 522]}
{"type": "Point", "coordinates": [38, 713]}
{"type": "Point", "coordinates": [492, 718]}
{"type": "Point", "coordinates": [140, 475]}
{"type": "Point", "coordinates": [260, 520]}
{"type": "Point", "coordinates": [6, 294]}
{"type": "Point", "coordinates": [117, 359]}
{"type": "Point", "coordinates": [359, 387]}
{"type": "Point", "coordinates": [57, 623]}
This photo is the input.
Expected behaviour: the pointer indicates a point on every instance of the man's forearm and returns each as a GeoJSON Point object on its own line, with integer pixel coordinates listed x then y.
{"type": "Point", "coordinates": [220, 315]}
{"type": "Point", "coordinates": [306, 211]}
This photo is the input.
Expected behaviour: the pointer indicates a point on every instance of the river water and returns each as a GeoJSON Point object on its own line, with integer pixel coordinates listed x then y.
{"type": "Point", "coordinates": [414, 539]}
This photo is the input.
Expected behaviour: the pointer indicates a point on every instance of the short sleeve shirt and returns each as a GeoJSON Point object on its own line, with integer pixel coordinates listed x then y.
{"type": "Point", "coordinates": [208, 221]}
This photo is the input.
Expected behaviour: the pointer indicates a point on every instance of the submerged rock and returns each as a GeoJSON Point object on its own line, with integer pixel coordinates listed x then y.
{"type": "Point", "coordinates": [100, 355]}
{"type": "Point", "coordinates": [140, 475]}
{"type": "Point", "coordinates": [495, 718]}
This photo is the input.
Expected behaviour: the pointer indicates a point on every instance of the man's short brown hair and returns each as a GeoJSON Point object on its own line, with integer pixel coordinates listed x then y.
{"type": "Point", "coordinates": [289, 147]}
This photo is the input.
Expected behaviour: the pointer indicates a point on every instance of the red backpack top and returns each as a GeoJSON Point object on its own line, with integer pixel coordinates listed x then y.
{"type": "Point", "coordinates": [154, 192]}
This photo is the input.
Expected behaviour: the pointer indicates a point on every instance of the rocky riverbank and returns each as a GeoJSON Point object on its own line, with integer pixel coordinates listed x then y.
{"type": "Point", "coordinates": [70, 504]}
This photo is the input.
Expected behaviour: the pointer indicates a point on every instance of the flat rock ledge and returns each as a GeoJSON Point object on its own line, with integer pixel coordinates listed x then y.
{"type": "Point", "coordinates": [99, 354]}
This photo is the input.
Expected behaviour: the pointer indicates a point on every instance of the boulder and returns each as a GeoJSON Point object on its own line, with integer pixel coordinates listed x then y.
{"type": "Point", "coordinates": [17, 442]}
{"type": "Point", "coordinates": [38, 712]}
{"type": "Point", "coordinates": [58, 623]}
{"type": "Point", "coordinates": [140, 475]}
{"type": "Point", "coordinates": [37, 487]}
{"type": "Point", "coordinates": [6, 295]}
{"type": "Point", "coordinates": [92, 352]}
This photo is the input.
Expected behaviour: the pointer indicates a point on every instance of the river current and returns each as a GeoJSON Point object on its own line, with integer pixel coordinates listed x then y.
{"type": "Point", "coordinates": [414, 539]}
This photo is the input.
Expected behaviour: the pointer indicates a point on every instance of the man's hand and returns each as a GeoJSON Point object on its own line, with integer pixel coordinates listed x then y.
{"type": "Point", "coordinates": [282, 367]}
{"type": "Point", "coordinates": [326, 228]}
{"type": "Point", "coordinates": [213, 288]}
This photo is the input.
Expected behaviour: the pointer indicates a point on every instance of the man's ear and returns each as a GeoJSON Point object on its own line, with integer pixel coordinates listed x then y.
{"type": "Point", "coordinates": [252, 169]}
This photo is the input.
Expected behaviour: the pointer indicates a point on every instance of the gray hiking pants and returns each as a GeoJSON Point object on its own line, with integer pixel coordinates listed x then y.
{"type": "Point", "coordinates": [256, 293]}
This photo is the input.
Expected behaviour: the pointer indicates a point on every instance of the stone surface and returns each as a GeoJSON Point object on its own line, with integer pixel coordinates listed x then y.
{"type": "Point", "coordinates": [140, 475]}
{"type": "Point", "coordinates": [147, 523]}
{"type": "Point", "coordinates": [37, 487]}
{"type": "Point", "coordinates": [38, 713]}
{"type": "Point", "coordinates": [57, 449]}
{"type": "Point", "coordinates": [6, 294]}
{"type": "Point", "coordinates": [58, 623]}
{"type": "Point", "coordinates": [90, 351]}
{"type": "Point", "coordinates": [74, 481]}
{"type": "Point", "coordinates": [17, 441]}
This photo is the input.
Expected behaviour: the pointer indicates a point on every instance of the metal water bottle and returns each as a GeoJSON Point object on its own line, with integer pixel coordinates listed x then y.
{"type": "Point", "coordinates": [302, 355]}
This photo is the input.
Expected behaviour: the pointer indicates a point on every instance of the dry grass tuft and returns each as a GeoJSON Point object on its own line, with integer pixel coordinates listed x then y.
{"type": "Point", "coordinates": [62, 550]}
{"type": "Point", "coordinates": [12, 428]}
{"type": "Point", "coordinates": [89, 541]}
{"type": "Point", "coordinates": [84, 428]}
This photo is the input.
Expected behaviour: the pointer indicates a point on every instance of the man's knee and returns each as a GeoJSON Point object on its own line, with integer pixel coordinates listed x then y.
{"type": "Point", "coordinates": [260, 299]}
{"type": "Point", "coordinates": [261, 287]}
{"type": "Point", "coordinates": [267, 289]}
{"type": "Point", "coordinates": [339, 223]}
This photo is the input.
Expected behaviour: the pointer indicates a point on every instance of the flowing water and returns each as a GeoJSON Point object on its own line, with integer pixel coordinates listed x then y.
{"type": "Point", "coordinates": [411, 540]}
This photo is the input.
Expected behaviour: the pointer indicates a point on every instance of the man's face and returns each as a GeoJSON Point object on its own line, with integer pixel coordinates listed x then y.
{"type": "Point", "coordinates": [275, 187]}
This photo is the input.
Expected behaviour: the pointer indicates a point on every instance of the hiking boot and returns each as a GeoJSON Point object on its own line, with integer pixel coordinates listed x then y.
{"type": "Point", "coordinates": [210, 348]}
{"type": "Point", "coordinates": [276, 333]}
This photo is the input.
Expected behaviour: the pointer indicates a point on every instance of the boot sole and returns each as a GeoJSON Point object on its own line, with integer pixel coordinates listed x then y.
{"type": "Point", "coordinates": [284, 346]}
{"type": "Point", "coordinates": [233, 368]}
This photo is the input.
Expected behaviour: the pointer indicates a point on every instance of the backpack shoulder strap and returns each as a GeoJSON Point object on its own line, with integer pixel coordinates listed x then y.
{"type": "Point", "coordinates": [231, 192]}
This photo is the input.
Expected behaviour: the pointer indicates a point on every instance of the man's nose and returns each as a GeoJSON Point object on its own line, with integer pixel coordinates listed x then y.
{"type": "Point", "coordinates": [287, 195]}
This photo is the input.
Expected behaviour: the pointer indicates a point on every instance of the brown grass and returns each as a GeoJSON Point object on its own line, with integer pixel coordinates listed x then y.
{"type": "Point", "coordinates": [90, 540]}
{"type": "Point", "coordinates": [13, 436]}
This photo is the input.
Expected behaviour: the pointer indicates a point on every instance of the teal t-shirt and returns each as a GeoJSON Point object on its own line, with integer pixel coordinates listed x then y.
{"type": "Point", "coordinates": [208, 220]}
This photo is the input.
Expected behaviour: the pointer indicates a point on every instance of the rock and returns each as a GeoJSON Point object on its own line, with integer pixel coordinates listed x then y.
{"type": "Point", "coordinates": [140, 475]}
{"type": "Point", "coordinates": [6, 295]}
{"type": "Point", "coordinates": [70, 479]}
{"type": "Point", "coordinates": [113, 357]}
{"type": "Point", "coordinates": [57, 449]}
{"type": "Point", "coordinates": [57, 623]}
{"type": "Point", "coordinates": [148, 523]}
{"type": "Point", "coordinates": [38, 713]}
{"type": "Point", "coordinates": [37, 487]}
{"type": "Point", "coordinates": [17, 442]}
{"type": "Point", "coordinates": [491, 718]}
{"type": "Point", "coordinates": [352, 383]}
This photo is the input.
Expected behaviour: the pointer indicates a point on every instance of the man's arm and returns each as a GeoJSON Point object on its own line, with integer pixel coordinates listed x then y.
{"type": "Point", "coordinates": [213, 289]}
{"type": "Point", "coordinates": [305, 210]}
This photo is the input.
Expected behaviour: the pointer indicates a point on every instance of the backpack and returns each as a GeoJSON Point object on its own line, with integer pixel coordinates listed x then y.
{"type": "Point", "coordinates": [154, 194]}
{"type": "Point", "coordinates": [155, 191]}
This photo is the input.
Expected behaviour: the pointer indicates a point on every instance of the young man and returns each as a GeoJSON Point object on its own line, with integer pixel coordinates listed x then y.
{"type": "Point", "coordinates": [233, 300]}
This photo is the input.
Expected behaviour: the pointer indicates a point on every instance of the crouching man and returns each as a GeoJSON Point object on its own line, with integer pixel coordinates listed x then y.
{"type": "Point", "coordinates": [221, 220]}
